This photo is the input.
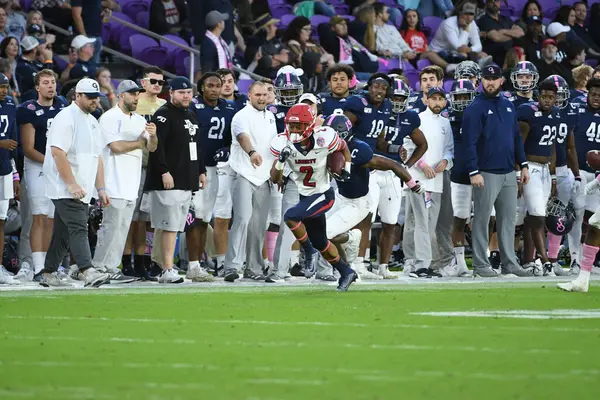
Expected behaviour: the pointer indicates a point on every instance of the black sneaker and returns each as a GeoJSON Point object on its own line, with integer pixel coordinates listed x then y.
{"type": "Point", "coordinates": [253, 276]}
{"type": "Point", "coordinates": [129, 270]}
{"type": "Point", "coordinates": [420, 273]}
{"type": "Point", "coordinates": [346, 280]}
{"type": "Point", "coordinates": [231, 275]}
{"type": "Point", "coordinates": [495, 260]}
{"type": "Point", "coordinates": [434, 273]}
{"type": "Point", "coordinates": [296, 270]}
{"type": "Point", "coordinates": [155, 270]}
{"type": "Point", "coordinates": [119, 277]}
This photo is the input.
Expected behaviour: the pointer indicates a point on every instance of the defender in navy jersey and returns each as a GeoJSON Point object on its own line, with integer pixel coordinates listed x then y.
{"type": "Point", "coordinates": [288, 89]}
{"type": "Point", "coordinates": [524, 78]}
{"type": "Point", "coordinates": [587, 136]}
{"type": "Point", "coordinates": [353, 202]}
{"type": "Point", "coordinates": [539, 124]}
{"type": "Point", "coordinates": [9, 187]}
{"type": "Point", "coordinates": [339, 77]}
{"type": "Point", "coordinates": [462, 95]}
{"type": "Point", "coordinates": [214, 116]}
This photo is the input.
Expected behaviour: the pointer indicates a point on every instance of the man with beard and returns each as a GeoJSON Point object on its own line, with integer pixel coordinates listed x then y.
{"type": "Point", "coordinates": [35, 117]}
{"type": "Point", "coordinates": [73, 170]}
{"type": "Point", "coordinates": [124, 134]}
{"type": "Point", "coordinates": [489, 155]}
{"type": "Point", "coordinates": [339, 77]}
{"type": "Point", "coordinates": [175, 170]}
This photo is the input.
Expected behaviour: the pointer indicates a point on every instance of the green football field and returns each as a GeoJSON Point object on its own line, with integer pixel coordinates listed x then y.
{"type": "Point", "coordinates": [522, 340]}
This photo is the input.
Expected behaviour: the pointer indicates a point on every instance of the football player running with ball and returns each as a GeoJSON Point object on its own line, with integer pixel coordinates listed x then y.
{"type": "Point", "coordinates": [305, 150]}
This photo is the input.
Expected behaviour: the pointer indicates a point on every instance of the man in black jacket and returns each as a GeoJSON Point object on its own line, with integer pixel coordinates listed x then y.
{"type": "Point", "coordinates": [175, 170]}
{"type": "Point", "coordinates": [170, 16]}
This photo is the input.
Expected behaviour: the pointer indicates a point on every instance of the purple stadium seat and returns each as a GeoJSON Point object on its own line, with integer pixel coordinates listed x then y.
{"type": "Point", "coordinates": [432, 23]}
{"type": "Point", "coordinates": [316, 20]}
{"type": "Point", "coordinates": [546, 21]}
{"type": "Point", "coordinates": [348, 17]}
{"type": "Point", "coordinates": [386, 65]}
{"type": "Point", "coordinates": [279, 10]}
{"type": "Point", "coordinates": [176, 55]}
{"type": "Point", "coordinates": [508, 11]}
{"type": "Point", "coordinates": [448, 85]}
{"type": "Point", "coordinates": [243, 85]}
{"type": "Point", "coordinates": [60, 63]}
{"type": "Point", "coordinates": [413, 78]}
{"type": "Point", "coordinates": [551, 12]}
{"type": "Point", "coordinates": [143, 19]}
{"type": "Point", "coordinates": [146, 49]}
{"type": "Point", "coordinates": [592, 62]}
{"type": "Point", "coordinates": [407, 66]}
{"type": "Point", "coordinates": [133, 7]}
{"type": "Point", "coordinates": [285, 20]}
{"type": "Point", "coordinates": [115, 27]}
{"type": "Point", "coordinates": [25, 4]}
{"type": "Point", "coordinates": [340, 8]}
{"type": "Point", "coordinates": [422, 64]}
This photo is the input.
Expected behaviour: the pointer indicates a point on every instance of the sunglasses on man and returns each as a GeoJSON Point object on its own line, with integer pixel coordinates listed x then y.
{"type": "Point", "coordinates": [160, 82]}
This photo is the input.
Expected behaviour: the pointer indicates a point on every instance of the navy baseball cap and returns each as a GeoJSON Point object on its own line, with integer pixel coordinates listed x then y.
{"type": "Point", "coordinates": [436, 90]}
{"type": "Point", "coordinates": [491, 71]}
{"type": "Point", "coordinates": [180, 83]}
{"type": "Point", "coordinates": [3, 80]}
{"type": "Point", "coordinates": [534, 18]}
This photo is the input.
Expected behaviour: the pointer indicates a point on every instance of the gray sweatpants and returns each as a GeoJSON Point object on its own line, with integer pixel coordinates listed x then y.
{"type": "Point", "coordinates": [24, 249]}
{"type": "Point", "coordinates": [443, 249]}
{"type": "Point", "coordinates": [419, 227]}
{"type": "Point", "coordinates": [250, 212]}
{"type": "Point", "coordinates": [499, 191]}
{"type": "Point", "coordinates": [70, 232]}
{"type": "Point", "coordinates": [285, 239]}
{"type": "Point", "coordinates": [113, 234]}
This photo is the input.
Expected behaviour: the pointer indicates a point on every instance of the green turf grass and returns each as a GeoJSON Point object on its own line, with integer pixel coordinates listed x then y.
{"type": "Point", "coordinates": [297, 343]}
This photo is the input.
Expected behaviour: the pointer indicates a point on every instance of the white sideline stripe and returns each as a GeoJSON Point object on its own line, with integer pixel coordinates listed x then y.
{"type": "Point", "coordinates": [309, 323]}
{"type": "Point", "coordinates": [357, 346]}
{"type": "Point", "coordinates": [521, 314]}
{"type": "Point", "coordinates": [286, 382]}
{"type": "Point", "coordinates": [367, 375]}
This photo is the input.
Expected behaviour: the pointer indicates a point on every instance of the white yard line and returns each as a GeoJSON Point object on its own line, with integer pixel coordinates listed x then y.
{"type": "Point", "coordinates": [518, 314]}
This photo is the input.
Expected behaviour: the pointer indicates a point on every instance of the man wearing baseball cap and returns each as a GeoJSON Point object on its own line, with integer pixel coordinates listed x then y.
{"type": "Point", "coordinates": [28, 65]}
{"type": "Point", "coordinates": [215, 51]}
{"type": "Point", "coordinates": [84, 67]}
{"type": "Point", "coordinates": [532, 40]}
{"type": "Point", "coordinates": [124, 135]}
{"type": "Point", "coordinates": [547, 64]}
{"type": "Point", "coordinates": [175, 170]}
{"type": "Point", "coordinates": [491, 146]}
{"type": "Point", "coordinates": [497, 31]}
{"type": "Point", "coordinates": [74, 172]}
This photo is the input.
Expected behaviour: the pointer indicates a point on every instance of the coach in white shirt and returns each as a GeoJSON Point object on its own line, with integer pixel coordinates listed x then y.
{"type": "Point", "coordinates": [422, 210]}
{"type": "Point", "coordinates": [73, 170]}
{"type": "Point", "coordinates": [253, 128]}
{"type": "Point", "coordinates": [124, 134]}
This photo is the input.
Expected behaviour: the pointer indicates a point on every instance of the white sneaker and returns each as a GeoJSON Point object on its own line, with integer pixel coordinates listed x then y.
{"type": "Point", "coordinates": [574, 286]}
{"type": "Point", "coordinates": [534, 268]}
{"type": "Point", "coordinates": [364, 273]}
{"type": "Point", "coordinates": [95, 278]}
{"type": "Point", "coordinates": [450, 270]}
{"type": "Point", "coordinates": [170, 276]}
{"type": "Point", "coordinates": [6, 278]}
{"type": "Point", "coordinates": [25, 274]}
{"type": "Point", "coordinates": [52, 280]}
{"type": "Point", "coordinates": [385, 273]}
{"type": "Point", "coordinates": [351, 247]}
{"type": "Point", "coordinates": [575, 268]}
{"type": "Point", "coordinates": [408, 268]}
{"type": "Point", "coordinates": [75, 273]}
{"type": "Point", "coordinates": [548, 269]}
{"type": "Point", "coordinates": [198, 274]}
{"type": "Point", "coordinates": [559, 270]}
{"type": "Point", "coordinates": [463, 271]}
{"type": "Point", "coordinates": [595, 270]}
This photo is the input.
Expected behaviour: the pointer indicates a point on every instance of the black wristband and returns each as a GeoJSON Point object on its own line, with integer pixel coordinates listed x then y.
{"type": "Point", "coordinates": [251, 152]}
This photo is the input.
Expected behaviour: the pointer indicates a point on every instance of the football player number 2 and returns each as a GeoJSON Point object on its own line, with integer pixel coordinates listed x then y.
{"type": "Point", "coordinates": [376, 127]}
{"type": "Point", "coordinates": [3, 125]}
{"type": "Point", "coordinates": [217, 128]}
{"type": "Point", "coordinates": [593, 132]}
{"type": "Point", "coordinates": [308, 171]}
{"type": "Point", "coordinates": [548, 136]}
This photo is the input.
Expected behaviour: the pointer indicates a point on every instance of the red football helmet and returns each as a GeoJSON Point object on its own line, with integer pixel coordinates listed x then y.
{"type": "Point", "coordinates": [299, 122]}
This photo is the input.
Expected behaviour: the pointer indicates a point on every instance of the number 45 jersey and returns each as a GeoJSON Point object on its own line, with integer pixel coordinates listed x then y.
{"type": "Point", "coordinates": [41, 117]}
{"type": "Point", "coordinates": [309, 167]}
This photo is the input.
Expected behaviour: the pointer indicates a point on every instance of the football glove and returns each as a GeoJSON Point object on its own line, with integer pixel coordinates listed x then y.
{"type": "Point", "coordinates": [222, 155]}
{"type": "Point", "coordinates": [343, 176]}
{"type": "Point", "coordinates": [284, 154]}
{"type": "Point", "coordinates": [418, 189]}
{"type": "Point", "coordinates": [592, 187]}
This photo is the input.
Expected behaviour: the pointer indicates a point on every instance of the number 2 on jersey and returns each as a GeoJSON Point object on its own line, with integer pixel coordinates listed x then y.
{"type": "Point", "coordinates": [216, 131]}
{"type": "Point", "coordinates": [308, 170]}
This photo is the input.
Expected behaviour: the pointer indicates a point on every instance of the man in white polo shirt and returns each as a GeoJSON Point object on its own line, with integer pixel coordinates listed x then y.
{"type": "Point", "coordinates": [253, 128]}
{"type": "Point", "coordinates": [125, 135]}
{"type": "Point", "coordinates": [73, 170]}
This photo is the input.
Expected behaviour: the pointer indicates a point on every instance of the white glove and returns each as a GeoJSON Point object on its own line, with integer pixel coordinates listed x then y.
{"type": "Point", "coordinates": [576, 186]}
{"type": "Point", "coordinates": [592, 187]}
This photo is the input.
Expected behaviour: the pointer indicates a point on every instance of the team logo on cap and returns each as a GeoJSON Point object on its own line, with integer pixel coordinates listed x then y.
{"type": "Point", "coordinates": [491, 69]}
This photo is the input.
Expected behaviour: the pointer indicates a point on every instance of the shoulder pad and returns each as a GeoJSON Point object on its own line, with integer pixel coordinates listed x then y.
{"type": "Point", "coordinates": [273, 109]}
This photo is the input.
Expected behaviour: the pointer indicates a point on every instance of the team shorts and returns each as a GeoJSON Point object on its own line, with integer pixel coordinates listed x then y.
{"type": "Point", "coordinates": [385, 190]}
{"type": "Point", "coordinates": [595, 218]}
{"type": "Point", "coordinates": [204, 199]}
{"type": "Point", "coordinates": [564, 187]}
{"type": "Point", "coordinates": [39, 203]}
{"type": "Point", "coordinates": [6, 193]}
{"type": "Point", "coordinates": [462, 196]}
{"type": "Point", "coordinates": [346, 214]}
{"type": "Point", "coordinates": [592, 201]}
{"type": "Point", "coordinates": [535, 193]}
{"type": "Point", "coordinates": [275, 207]}
{"type": "Point", "coordinates": [170, 209]}
{"type": "Point", "coordinates": [224, 205]}
{"type": "Point", "coordinates": [138, 213]}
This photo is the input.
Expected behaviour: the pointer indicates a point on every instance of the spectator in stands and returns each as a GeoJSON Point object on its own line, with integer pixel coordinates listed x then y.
{"type": "Point", "coordinates": [169, 16]}
{"type": "Point", "coordinates": [215, 52]}
{"type": "Point", "coordinates": [16, 23]}
{"type": "Point", "coordinates": [558, 32]}
{"type": "Point", "coordinates": [85, 51]}
{"type": "Point", "coordinates": [347, 50]}
{"type": "Point", "coordinates": [547, 64]}
{"type": "Point", "coordinates": [32, 60]}
{"type": "Point", "coordinates": [594, 26]}
{"type": "Point", "coordinates": [411, 30]}
{"type": "Point", "coordinates": [38, 32]}
{"type": "Point", "coordinates": [439, 8]}
{"type": "Point", "coordinates": [265, 52]}
{"type": "Point", "coordinates": [104, 79]}
{"type": "Point", "coordinates": [318, 7]}
{"type": "Point", "coordinates": [313, 78]}
{"type": "Point", "coordinates": [513, 56]}
{"type": "Point", "coordinates": [575, 55]}
{"type": "Point", "coordinates": [9, 49]}
{"type": "Point", "coordinates": [57, 12]}
{"type": "Point", "coordinates": [362, 28]}
{"type": "Point", "coordinates": [457, 38]}
{"type": "Point", "coordinates": [532, 41]}
{"type": "Point", "coordinates": [87, 21]}
{"type": "Point", "coordinates": [72, 60]}
{"type": "Point", "coordinates": [389, 41]}
{"type": "Point", "coordinates": [200, 9]}
{"type": "Point", "coordinates": [3, 20]}
{"type": "Point", "coordinates": [497, 31]}
{"type": "Point", "coordinates": [566, 16]}
{"type": "Point", "coordinates": [532, 8]}
{"type": "Point", "coordinates": [581, 77]}
{"type": "Point", "coordinates": [297, 38]}
{"type": "Point", "coordinates": [579, 28]}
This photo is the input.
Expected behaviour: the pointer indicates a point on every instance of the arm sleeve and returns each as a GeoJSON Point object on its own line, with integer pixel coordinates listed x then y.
{"type": "Point", "coordinates": [524, 113]}
{"type": "Point", "coordinates": [472, 126]}
{"type": "Point", "coordinates": [61, 133]}
{"type": "Point", "coordinates": [401, 42]}
{"type": "Point", "coordinates": [335, 144]}
{"type": "Point", "coordinates": [201, 166]}
{"type": "Point", "coordinates": [474, 38]}
{"type": "Point", "coordinates": [239, 125]}
{"type": "Point", "coordinates": [162, 130]}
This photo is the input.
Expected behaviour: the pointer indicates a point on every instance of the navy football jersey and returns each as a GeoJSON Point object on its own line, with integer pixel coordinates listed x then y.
{"type": "Point", "coordinates": [214, 128]}
{"type": "Point", "coordinates": [543, 128]}
{"type": "Point", "coordinates": [332, 105]}
{"type": "Point", "coordinates": [370, 120]}
{"type": "Point", "coordinates": [239, 101]}
{"type": "Point", "coordinates": [280, 112]}
{"type": "Point", "coordinates": [400, 126]}
{"type": "Point", "coordinates": [518, 100]}
{"type": "Point", "coordinates": [41, 117]}
{"type": "Point", "coordinates": [587, 135]}
{"type": "Point", "coordinates": [416, 103]}
{"type": "Point", "coordinates": [8, 130]}
{"type": "Point", "coordinates": [569, 116]}
{"type": "Point", "coordinates": [358, 184]}
{"type": "Point", "coordinates": [578, 95]}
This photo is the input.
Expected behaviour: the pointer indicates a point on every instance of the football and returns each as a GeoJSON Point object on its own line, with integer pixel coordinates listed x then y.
{"type": "Point", "coordinates": [336, 162]}
{"type": "Point", "coordinates": [593, 159]}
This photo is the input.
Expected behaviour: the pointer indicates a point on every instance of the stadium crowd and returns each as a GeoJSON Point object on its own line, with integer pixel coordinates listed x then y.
{"type": "Point", "coordinates": [476, 143]}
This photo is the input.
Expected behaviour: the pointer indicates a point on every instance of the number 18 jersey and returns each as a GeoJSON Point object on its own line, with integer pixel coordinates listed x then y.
{"type": "Point", "coordinates": [309, 168]}
{"type": "Point", "coordinates": [370, 120]}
